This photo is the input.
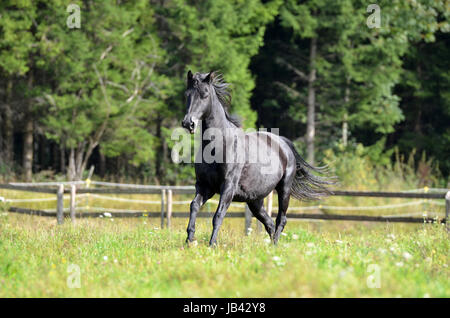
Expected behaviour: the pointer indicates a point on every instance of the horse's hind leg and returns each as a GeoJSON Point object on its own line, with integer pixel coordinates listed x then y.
{"type": "Point", "coordinates": [283, 203]}
{"type": "Point", "coordinates": [257, 208]}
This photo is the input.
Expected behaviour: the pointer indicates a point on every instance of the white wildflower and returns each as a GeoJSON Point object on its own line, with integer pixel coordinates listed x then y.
{"type": "Point", "coordinates": [284, 234]}
{"type": "Point", "coordinates": [278, 261]}
{"type": "Point", "coordinates": [344, 272]}
{"type": "Point", "coordinates": [399, 264]}
{"type": "Point", "coordinates": [105, 258]}
{"type": "Point", "coordinates": [107, 214]}
{"type": "Point", "coordinates": [393, 249]}
{"type": "Point", "coordinates": [295, 236]}
{"type": "Point", "coordinates": [407, 256]}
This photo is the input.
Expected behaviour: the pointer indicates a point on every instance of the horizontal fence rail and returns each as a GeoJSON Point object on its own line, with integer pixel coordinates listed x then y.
{"type": "Point", "coordinates": [82, 189]}
{"type": "Point", "coordinates": [126, 213]}
{"type": "Point", "coordinates": [27, 188]}
{"type": "Point", "coordinates": [405, 195]}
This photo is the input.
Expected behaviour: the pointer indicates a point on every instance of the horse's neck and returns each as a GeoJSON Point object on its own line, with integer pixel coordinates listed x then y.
{"type": "Point", "coordinates": [217, 117]}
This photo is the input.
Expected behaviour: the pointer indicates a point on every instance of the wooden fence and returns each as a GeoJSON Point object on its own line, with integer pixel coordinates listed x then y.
{"type": "Point", "coordinates": [167, 192]}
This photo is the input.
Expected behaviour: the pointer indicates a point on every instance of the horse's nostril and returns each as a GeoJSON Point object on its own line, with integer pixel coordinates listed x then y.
{"type": "Point", "coordinates": [192, 124]}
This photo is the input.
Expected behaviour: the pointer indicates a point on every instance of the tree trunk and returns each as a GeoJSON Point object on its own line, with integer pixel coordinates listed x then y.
{"type": "Point", "coordinates": [310, 124]}
{"type": "Point", "coordinates": [78, 159]}
{"type": "Point", "coordinates": [28, 150]}
{"type": "Point", "coordinates": [159, 153]}
{"type": "Point", "coordinates": [8, 128]}
{"type": "Point", "coordinates": [62, 158]}
{"type": "Point", "coordinates": [345, 119]}
{"type": "Point", "coordinates": [1, 138]}
{"type": "Point", "coordinates": [102, 164]}
{"type": "Point", "coordinates": [71, 168]}
{"type": "Point", "coordinates": [345, 130]}
{"type": "Point", "coordinates": [27, 161]}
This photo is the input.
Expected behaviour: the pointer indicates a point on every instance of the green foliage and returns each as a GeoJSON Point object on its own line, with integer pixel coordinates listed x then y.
{"type": "Point", "coordinates": [106, 80]}
{"type": "Point", "coordinates": [359, 69]}
{"type": "Point", "coordinates": [220, 35]}
{"type": "Point", "coordinates": [374, 169]}
{"type": "Point", "coordinates": [16, 35]}
{"type": "Point", "coordinates": [116, 84]}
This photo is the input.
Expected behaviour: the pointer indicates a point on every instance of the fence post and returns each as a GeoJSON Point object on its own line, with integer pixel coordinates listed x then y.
{"type": "Point", "coordinates": [86, 186]}
{"type": "Point", "coordinates": [169, 207]}
{"type": "Point", "coordinates": [248, 220]}
{"type": "Point", "coordinates": [73, 190]}
{"type": "Point", "coordinates": [163, 194]}
{"type": "Point", "coordinates": [269, 203]}
{"type": "Point", "coordinates": [447, 210]}
{"type": "Point", "coordinates": [60, 204]}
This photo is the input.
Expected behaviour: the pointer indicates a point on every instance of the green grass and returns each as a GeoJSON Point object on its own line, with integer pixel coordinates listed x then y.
{"type": "Point", "coordinates": [135, 258]}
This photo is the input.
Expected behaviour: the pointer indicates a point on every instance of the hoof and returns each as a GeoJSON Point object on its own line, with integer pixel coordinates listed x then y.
{"type": "Point", "coordinates": [191, 243]}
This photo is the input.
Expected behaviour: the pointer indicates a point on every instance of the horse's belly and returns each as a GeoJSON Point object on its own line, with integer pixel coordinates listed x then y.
{"type": "Point", "coordinates": [256, 183]}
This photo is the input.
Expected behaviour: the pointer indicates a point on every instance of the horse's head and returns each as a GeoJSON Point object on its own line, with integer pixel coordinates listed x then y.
{"type": "Point", "coordinates": [198, 99]}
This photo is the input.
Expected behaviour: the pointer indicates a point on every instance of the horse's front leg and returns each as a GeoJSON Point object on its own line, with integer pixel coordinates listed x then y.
{"type": "Point", "coordinates": [226, 196]}
{"type": "Point", "coordinates": [199, 200]}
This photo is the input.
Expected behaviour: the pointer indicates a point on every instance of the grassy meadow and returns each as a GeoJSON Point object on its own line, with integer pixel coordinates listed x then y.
{"type": "Point", "coordinates": [135, 258]}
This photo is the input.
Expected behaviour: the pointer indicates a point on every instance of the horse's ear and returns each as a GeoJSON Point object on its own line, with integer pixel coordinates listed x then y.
{"type": "Point", "coordinates": [189, 77]}
{"type": "Point", "coordinates": [210, 77]}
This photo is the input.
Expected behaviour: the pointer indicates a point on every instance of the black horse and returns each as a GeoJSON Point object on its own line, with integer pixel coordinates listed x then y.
{"type": "Point", "coordinates": [237, 178]}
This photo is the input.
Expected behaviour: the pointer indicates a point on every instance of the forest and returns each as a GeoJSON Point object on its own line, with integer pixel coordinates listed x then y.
{"type": "Point", "coordinates": [101, 83]}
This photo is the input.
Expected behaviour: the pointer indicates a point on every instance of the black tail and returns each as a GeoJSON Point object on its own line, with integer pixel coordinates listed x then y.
{"type": "Point", "coordinates": [307, 186]}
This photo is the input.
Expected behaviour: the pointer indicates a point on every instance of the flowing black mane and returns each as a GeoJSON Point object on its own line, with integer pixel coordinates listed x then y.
{"type": "Point", "coordinates": [223, 93]}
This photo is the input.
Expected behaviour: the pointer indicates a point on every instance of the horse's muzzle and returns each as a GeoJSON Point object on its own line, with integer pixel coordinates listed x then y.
{"type": "Point", "coordinates": [189, 124]}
